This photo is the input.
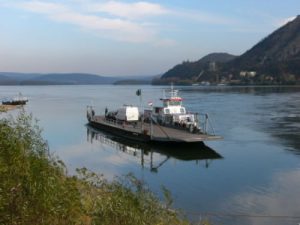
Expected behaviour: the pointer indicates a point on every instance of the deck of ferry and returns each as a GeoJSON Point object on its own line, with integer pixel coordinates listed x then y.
{"type": "Point", "coordinates": [151, 132]}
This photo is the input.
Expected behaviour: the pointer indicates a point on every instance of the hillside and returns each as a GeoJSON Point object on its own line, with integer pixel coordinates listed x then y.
{"type": "Point", "coordinates": [10, 78]}
{"type": "Point", "coordinates": [73, 78]}
{"type": "Point", "coordinates": [277, 55]}
{"type": "Point", "coordinates": [217, 57]}
{"type": "Point", "coordinates": [191, 72]}
{"type": "Point", "coordinates": [20, 76]}
{"type": "Point", "coordinates": [273, 60]}
{"type": "Point", "coordinates": [5, 80]}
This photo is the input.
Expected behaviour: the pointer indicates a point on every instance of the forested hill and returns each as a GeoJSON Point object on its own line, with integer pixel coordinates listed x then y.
{"type": "Point", "coordinates": [10, 78]}
{"type": "Point", "coordinates": [73, 78]}
{"type": "Point", "coordinates": [195, 71]}
{"type": "Point", "coordinates": [216, 57]}
{"type": "Point", "coordinates": [278, 54]}
{"type": "Point", "coordinates": [273, 60]}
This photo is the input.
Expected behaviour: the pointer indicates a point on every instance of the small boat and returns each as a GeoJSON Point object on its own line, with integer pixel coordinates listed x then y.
{"type": "Point", "coordinates": [170, 122]}
{"type": "Point", "coordinates": [17, 100]}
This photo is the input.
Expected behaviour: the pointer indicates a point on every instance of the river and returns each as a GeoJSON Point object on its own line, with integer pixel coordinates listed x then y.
{"type": "Point", "coordinates": [252, 176]}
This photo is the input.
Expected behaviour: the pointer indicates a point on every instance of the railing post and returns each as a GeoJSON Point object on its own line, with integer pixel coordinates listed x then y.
{"type": "Point", "coordinates": [205, 125]}
{"type": "Point", "coordinates": [151, 126]}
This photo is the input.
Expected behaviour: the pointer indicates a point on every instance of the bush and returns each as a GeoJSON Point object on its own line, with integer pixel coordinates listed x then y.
{"type": "Point", "coordinates": [35, 188]}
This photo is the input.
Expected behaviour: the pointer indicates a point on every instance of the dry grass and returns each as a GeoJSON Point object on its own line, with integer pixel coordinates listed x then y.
{"type": "Point", "coordinates": [5, 108]}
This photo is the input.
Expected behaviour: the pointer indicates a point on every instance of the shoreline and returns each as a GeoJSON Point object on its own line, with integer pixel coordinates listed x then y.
{"type": "Point", "coordinates": [5, 108]}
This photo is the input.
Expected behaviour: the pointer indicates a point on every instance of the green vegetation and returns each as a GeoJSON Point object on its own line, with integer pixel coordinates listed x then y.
{"type": "Point", "coordinates": [35, 188]}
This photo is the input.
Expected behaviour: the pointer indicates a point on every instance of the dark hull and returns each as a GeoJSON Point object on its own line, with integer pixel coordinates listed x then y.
{"type": "Point", "coordinates": [121, 132]}
{"type": "Point", "coordinates": [23, 102]}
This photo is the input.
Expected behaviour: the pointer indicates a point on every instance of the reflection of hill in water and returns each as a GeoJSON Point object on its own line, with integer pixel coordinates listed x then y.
{"type": "Point", "coordinates": [257, 90]}
{"type": "Point", "coordinates": [147, 152]}
{"type": "Point", "coordinates": [283, 122]}
{"type": "Point", "coordinates": [287, 128]}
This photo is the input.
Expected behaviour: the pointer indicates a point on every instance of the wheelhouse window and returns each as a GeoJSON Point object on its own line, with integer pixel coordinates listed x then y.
{"type": "Point", "coordinates": [174, 103]}
{"type": "Point", "coordinates": [169, 102]}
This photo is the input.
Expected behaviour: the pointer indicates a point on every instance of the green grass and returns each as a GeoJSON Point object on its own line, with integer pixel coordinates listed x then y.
{"type": "Point", "coordinates": [35, 188]}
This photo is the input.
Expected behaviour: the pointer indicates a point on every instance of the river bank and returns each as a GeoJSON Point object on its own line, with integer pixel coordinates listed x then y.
{"type": "Point", "coordinates": [37, 189]}
{"type": "Point", "coordinates": [5, 108]}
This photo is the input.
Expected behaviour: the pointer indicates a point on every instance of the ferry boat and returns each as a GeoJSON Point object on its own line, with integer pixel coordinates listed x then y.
{"type": "Point", "coordinates": [170, 122]}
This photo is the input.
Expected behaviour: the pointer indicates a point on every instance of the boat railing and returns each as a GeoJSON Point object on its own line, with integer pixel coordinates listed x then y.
{"type": "Point", "coordinates": [205, 124]}
{"type": "Point", "coordinates": [123, 124]}
{"type": "Point", "coordinates": [203, 121]}
{"type": "Point", "coordinates": [90, 112]}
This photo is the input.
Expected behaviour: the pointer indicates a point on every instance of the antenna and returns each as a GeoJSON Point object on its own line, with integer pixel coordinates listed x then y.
{"type": "Point", "coordinates": [173, 92]}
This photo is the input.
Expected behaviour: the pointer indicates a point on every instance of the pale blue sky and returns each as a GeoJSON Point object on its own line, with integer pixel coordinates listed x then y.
{"type": "Point", "coordinates": [130, 37]}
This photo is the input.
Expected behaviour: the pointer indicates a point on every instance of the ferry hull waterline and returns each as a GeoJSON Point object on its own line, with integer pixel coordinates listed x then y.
{"type": "Point", "coordinates": [127, 131]}
{"type": "Point", "coordinates": [167, 124]}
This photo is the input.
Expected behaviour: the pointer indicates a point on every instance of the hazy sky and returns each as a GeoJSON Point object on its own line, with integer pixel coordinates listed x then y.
{"type": "Point", "coordinates": [130, 37]}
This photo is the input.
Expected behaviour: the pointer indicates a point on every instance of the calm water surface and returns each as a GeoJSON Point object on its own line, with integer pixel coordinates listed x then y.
{"type": "Point", "coordinates": [253, 172]}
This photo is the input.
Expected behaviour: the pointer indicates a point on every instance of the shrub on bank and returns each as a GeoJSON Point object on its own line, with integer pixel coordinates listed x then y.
{"type": "Point", "coordinates": [35, 188]}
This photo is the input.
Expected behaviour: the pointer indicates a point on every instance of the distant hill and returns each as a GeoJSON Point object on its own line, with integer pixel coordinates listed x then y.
{"type": "Point", "coordinates": [274, 60]}
{"type": "Point", "coordinates": [5, 80]}
{"type": "Point", "coordinates": [136, 80]}
{"type": "Point", "coordinates": [73, 78]}
{"type": "Point", "coordinates": [20, 76]}
{"type": "Point", "coordinates": [217, 57]}
{"type": "Point", "coordinates": [11, 78]}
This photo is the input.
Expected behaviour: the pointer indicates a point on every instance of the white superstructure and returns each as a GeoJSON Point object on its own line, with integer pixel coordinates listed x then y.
{"type": "Point", "coordinates": [127, 113]}
{"type": "Point", "coordinates": [173, 113]}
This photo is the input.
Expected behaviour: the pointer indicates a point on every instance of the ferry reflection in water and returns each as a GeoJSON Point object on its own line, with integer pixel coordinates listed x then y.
{"type": "Point", "coordinates": [146, 152]}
